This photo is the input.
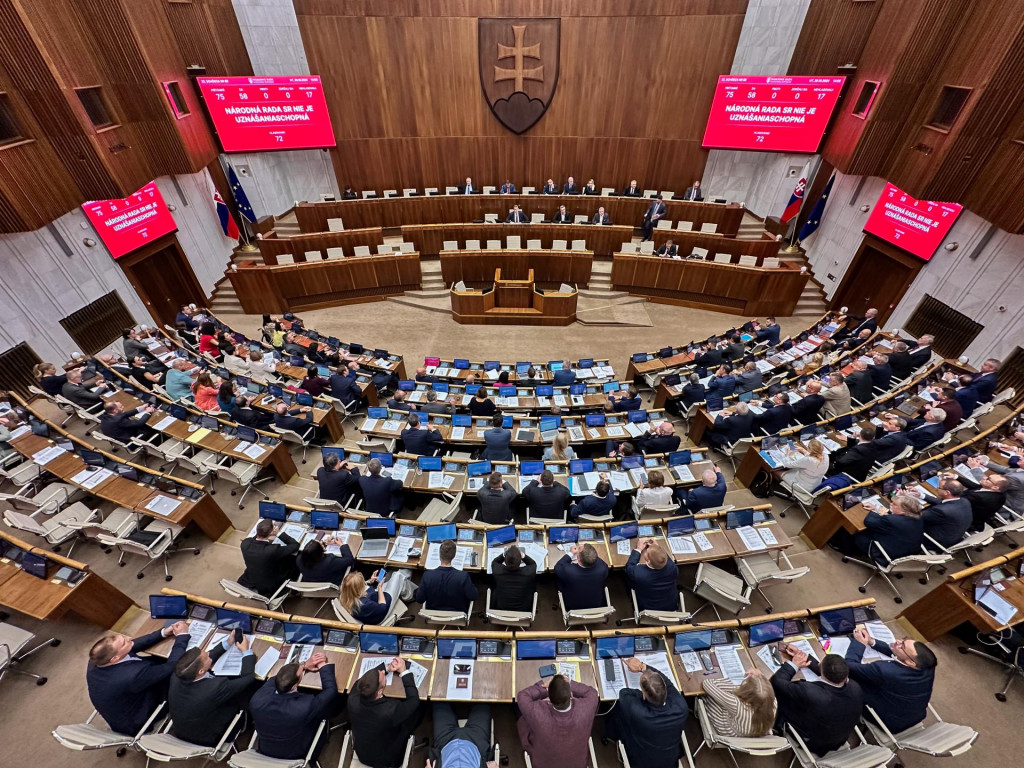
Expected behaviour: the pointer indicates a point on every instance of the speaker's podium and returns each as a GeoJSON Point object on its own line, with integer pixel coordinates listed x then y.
{"type": "Point", "coordinates": [513, 302]}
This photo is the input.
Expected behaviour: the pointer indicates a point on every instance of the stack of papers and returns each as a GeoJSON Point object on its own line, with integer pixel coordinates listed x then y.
{"type": "Point", "coordinates": [682, 545]}
{"type": "Point", "coordinates": [163, 505]}
{"type": "Point", "coordinates": [615, 431]}
{"type": "Point", "coordinates": [750, 539]}
{"type": "Point", "coordinates": [47, 455]}
{"type": "Point", "coordinates": [620, 480]}
{"type": "Point", "coordinates": [635, 430]}
{"type": "Point", "coordinates": [164, 423]}
{"type": "Point", "coordinates": [462, 557]}
{"type": "Point", "coordinates": [89, 479]}
{"type": "Point", "coordinates": [369, 425]}
{"type": "Point", "coordinates": [683, 473]}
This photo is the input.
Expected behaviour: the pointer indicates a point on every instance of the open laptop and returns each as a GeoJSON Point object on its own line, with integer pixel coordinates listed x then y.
{"type": "Point", "coordinates": [375, 543]}
{"type": "Point", "coordinates": [549, 427]}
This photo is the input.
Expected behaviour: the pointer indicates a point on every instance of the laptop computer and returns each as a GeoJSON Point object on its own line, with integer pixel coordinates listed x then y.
{"type": "Point", "coordinates": [375, 543]}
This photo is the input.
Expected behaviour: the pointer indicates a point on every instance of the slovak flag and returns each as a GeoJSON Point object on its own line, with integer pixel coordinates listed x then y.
{"type": "Point", "coordinates": [797, 198]}
{"type": "Point", "coordinates": [227, 222]}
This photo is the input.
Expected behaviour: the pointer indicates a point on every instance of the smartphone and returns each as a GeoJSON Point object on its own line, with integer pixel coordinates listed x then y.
{"type": "Point", "coordinates": [380, 576]}
{"type": "Point", "coordinates": [238, 635]}
{"type": "Point", "coordinates": [705, 660]}
{"type": "Point", "coordinates": [548, 670]}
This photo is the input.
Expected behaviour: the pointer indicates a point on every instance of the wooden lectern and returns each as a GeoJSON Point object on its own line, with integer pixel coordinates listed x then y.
{"type": "Point", "coordinates": [513, 302]}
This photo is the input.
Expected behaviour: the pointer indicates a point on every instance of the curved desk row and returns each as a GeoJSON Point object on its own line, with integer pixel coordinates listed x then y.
{"type": "Point", "coordinates": [550, 268]}
{"type": "Point", "coordinates": [399, 211]}
{"type": "Point", "coordinates": [263, 288]}
{"type": "Point", "coordinates": [711, 285]}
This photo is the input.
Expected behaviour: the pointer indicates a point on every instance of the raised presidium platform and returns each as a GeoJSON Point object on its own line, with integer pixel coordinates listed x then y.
{"type": "Point", "coordinates": [549, 268]}
{"type": "Point", "coordinates": [513, 302]}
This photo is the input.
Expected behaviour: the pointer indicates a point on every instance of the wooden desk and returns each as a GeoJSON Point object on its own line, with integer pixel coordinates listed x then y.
{"type": "Point", "coordinates": [513, 303]}
{"type": "Point", "coordinates": [710, 285]}
{"type": "Point", "coordinates": [550, 268]}
{"type": "Point", "coordinates": [275, 288]}
{"type": "Point", "coordinates": [692, 683]}
{"type": "Point", "coordinates": [828, 518]}
{"type": "Point", "coordinates": [396, 688]}
{"type": "Point", "coordinates": [493, 677]}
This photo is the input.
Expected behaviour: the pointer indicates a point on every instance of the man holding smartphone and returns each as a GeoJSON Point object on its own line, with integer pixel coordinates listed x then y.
{"type": "Point", "coordinates": [556, 719]}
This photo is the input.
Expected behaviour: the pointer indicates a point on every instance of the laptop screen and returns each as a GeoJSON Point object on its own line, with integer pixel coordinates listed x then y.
{"type": "Point", "coordinates": [34, 564]}
{"type": "Point", "coordinates": [681, 525]}
{"type": "Point", "coordinates": [460, 364]}
{"type": "Point", "coordinates": [839, 621]}
{"type": "Point", "coordinates": [523, 368]}
{"type": "Point", "coordinates": [92, 458]}
{"type": "Point", "coordinates": [168, 606]}
{"type": "Point", "coordinates": [456, 648]}
{"type": "Point", "coordinates": [501, 536]}
{"type": "Point", "coordinates": [271, 510]}
{"type": "Point", "coordinates": [462, 420]}
{"type": "Point", "coordinates": [767, 632]}
{"type": "Point", "coordinates": [563, 534]}
{"type": "Point", "coordinates": [610, 386]}
{"type": "Point", "coordinates": [678, 457]}
{"type": "Point", "coordinates": [228, 619]}
{"type": "Point", "coordinates": [579, 466]}
{"type": "Point", "coordinates": [586, 362]}
{"type": "Point", "coordinates": [429, 463]}
{"type": "Point", "coordinates": [632, 462]}
{"type": "Point", "coordinates": [440, 386]}
{"type": "Point", "coordinates": [376, 522]}
{"type": "Point", "coordinates": [737, 518]}
{"type": "Point", "coordinates": [439, 533]}
{"type": "Point", "coordinates": [639, 357]}
{"type": "Point", "coordinates": [491, 365]}
{"type": "Point", "coordinates": [615, 647]}
{"type": "Point", "coordinates": [327, 450]}
{"type": "Point", "coordinates": [577, 389]}
{"type": "Point", "coordinates": [376, 413]}
{"type": "Point", "coordinates": [378, 642]}
{"type": "Point", "coordinates": [531, 467]}
{"type": "Point", "coordinates": [555, 365]}
{"type": "Point", "coordinates": [479, 468]}
{"type": "Point", "coordinates": [623, 532]}
{"type": "Point", "coordinates": [386, 459]}
{"type": "Point", "coordinates": [699, 640]}
{"type": "Point", "coordinates": [246, 434]}
{"type": "Point", "coordinates": [637, 416]}
{"type": "Point", "coordinates": [407, 385]}
{"type": "Point", "coordinates": [545, 390]}
{"type": "Point", "coordinates": [548, 423]}
{"type": "Point", "coordinates": [303, 634]}
{"type": "Point", "coordinates": [535, 649]}
{"type": "Point", "coordinates": [431, 362]}
{"type": "Point", "coordinates": [325, 520]}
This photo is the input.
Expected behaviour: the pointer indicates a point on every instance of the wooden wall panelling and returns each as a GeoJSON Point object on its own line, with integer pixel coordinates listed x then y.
{"type": "Point", "coordinates": [208, 35]}
{"type": "Point", "coordinates": [550, 269]}
{"type": "Point", "coordinates": [833, 34]}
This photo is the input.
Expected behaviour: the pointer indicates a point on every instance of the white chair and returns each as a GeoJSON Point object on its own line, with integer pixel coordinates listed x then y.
{"type": "Point", "coordinates": [977, 540]}
{"type": "Point", "coordinates": [490, 218]}
{"type": "Point", "coordinates": [494, 245]}
{"type": "Point", "coordinates": [624, 758]}
{"type": "Point", "coordinates": [650, 192]}
{"type": "Point", "coordinates": [938, 739]}
{"type": "Point", "coordinates": [285, 258]}
{"type": "Point", "coordinates": [316, 590]}
{"type": "Point", "coordinates": [349, 758]}
{"type": "Point", "coordinates": [202, 463]}
{"type": "Point", "coordinates": [409, 192]}
{"type": "Point", "coordinates": [733, 451]}
{"type": "Point", "coordinates": [684, 226]}
{"type": "Point", "coordinates": [532, 519]}
{"type": "Point", "coordinates": [291, 436]}
{"type": "Point", "coordinates": [161, 548]}
{"type": "Point", "coordinates": [120, 523]}
{"type": "Point", "coordinates": [1002, 397]}
{"type": "Point", "coordinates": [450, 245]}
{"type": "Point", "coordinates": [723, 258]}
{"type": "Point", "coordinates": [369, 193]}
{"type": "Point", "coordinates": [647, 247]}
{"type": "Point", "coordinates": [720, 589]}
{"type": "Point", "coordinates": [335, 225]}
{"type": "Point", "coordinates": [654, 510]}
{"type": "Point", "coordinates": [244, 475]}
{"type": "Point", "coordinates": [761, 568]}
{"type": "Point", "coordinates": [607, 191]}
{"type": "Point", "coordinates": [770, 262]}
{"type": "Point", "coordinates": [251, 757]}
{"type": "Point", "coordinates": [748, 261]}
{"type": "Point", "coordinates": [14, 649]}
{"type": "Point", "coordinates": [520, 619]}
{"type": "Point", "coordinates": [441, 509]}
{"type": "Point", "coordinates": [864, 755]}
{"type": "Point", "coordinates": [361, 250]}
{"type": "Point", "coordinates": [762, 746]}
{"type": "Point", "coordinates": [591, 759]}
{"type": "Point", "coordinates": [21, 474]}
{"type": "Point", "coordinates": [90, 735]}
{"type": "Point", "coordinates": [559, 245]}
{"type": "Point", "coordinates": [390, 193]}
{"type": "Point", "coordinates": [335, 253]}
{"type": "Point", "coordinates": [802, 498]}
{"type": "Point", "coordinates": [649, 617]}
{"type": "Point", "coordinates": [709, 227]}
{"type": "Point", "coordinates": [384, 250]}
{"type": "Point", "coordinates": [397, 612]}
{"type": "Point", "coordinates": [630, 247]}
{"type": "Point", "coordinates": [920, 564]}
{"type": "Point", "coordinates": [700, 253]}
{"type": "Point", "coordinates": [54, 529]}
{"type": "Point", "coordinates": [472, 245]}
{"type": "Point", "coordinates": [663, 224]}
{"type": "Point", "coordinates": [447, 618]}
{"type": "Point", "coordinates": [536, 218]}
{"type": "Point", "coordinates": [514, 242]}
{"type": "Point", "coordinates": [937, 447]}
{"type": "Point", "coordinates": [490, 190]}
{"type": "Point", "coordinates": [430, 190]}
{"type": "Point", "coordinates": [529, 190]}
{"type": "Point", "coordinates": [579, 245]}
{"type": "Point", "coordinates": [272, 603]}
{"type": "Point", "coordinates": [577, 617]}
{"type": "Point", "coordinates": [313, 256]}
{"type": "Point", "coordinates": [533, 245]}
{"type": "Point", "coordinates": [579, 219]}
{"type": "Point", "coordinates": [165, 748]}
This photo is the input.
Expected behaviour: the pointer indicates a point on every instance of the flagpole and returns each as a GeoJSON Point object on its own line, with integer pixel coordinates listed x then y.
{"type": "Point", "coordinates": [793, 246]}
{"type": "Point", "coordinates": [247, 245]}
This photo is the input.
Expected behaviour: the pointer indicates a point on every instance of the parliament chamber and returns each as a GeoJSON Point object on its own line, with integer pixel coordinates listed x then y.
{"type": "Point", "coordinates": [531, 385]}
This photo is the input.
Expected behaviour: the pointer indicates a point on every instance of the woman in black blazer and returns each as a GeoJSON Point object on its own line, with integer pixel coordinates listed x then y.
{"type": "Point", "coordinates": [316, 564]}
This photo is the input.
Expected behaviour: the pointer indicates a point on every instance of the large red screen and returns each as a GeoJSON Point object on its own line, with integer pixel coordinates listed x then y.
{"type": "Point", "coordinates": [255, 114]}
{"type": "Point", "coordinates": [916, 226]}
{"type": "Point", "coordinates": [124, 225]}
{"type": "Point", "coordinates": [771, 114]}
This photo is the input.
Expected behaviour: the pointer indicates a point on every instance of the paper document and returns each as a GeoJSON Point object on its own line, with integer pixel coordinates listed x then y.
{"type": "Point", "coordinates": [198, 630]}
{"type": "Point", "coordinates": [767, 535]}
{"type": "Point", "coordinates": [267, 661]}
{"type": "Point", "coordinates": [419, 672]}
{"type": "Point", "coordinates": [538, 552]}
{"type": "Point", "coordinates": [20, 431]}
{"type": "Point", "coordinates": [830, 445]}
{"type": "Point", "coordinates": [198, 435]}
{"type": "Point", "coordinates": [400, 473]}
{"type": "Point", "coordinates": [460, 679]}
{"type": "Point", "coordinates": [400, 552]}
{"type": "Point", "coordinates": [164, 423]}
{"type": "Point", "coordinates": [729, 660]}
{"type": "Point", "coordinates": [560, 401]}
{"type": "Point", "coordinates": [659, 660]}
{"type": "Point", "coordinates": [593, 433]}
{"type": "Point", "coordinates": [47, 455]}
{"type": "Point", "coordinates": [610, 688]}
{"type": "Point", "coordinates": [435, 480]}
{"type": "Point", "coordinates": [570, 670]}
{"type": "Point", "coordinates": [635, 430]}
{"type": "Point", "coordinates": [163, 505]}
{"type": "Point", "coordinates": [392, 425]}
{"type": "Point", "coordinates": [614, 431]}
{"type": "Point", "coordinates": [462, 557]}
{"type": "Point", "coordinates": [764, 653]}
{"type": "Point", "coordinates": [458, 433]}
{"type": "Point", "coordinates": [750, 539]}
{"type": "Point", "coordinates": [683, 473]}
{"type": "Point", "coordinates": [620, 480]}
{"type": "Point", "coordinates": [300, 653]}
{"type": "Point", "coordinates": [682, 545]}
{"type": "Point", "coordinates": [230, 663]}
{"type": "Point", "coordinates": [369, 425]}
{"type": "Point", "coordinates": [254, 451]}
{"type": "Point", "coordinates": [624, 547]}
{"type": "Point", "coordinates": [702, 541]}
{"type": "Point", "coordinates": [837, 645]}
{"type": "Point", "coordinates": [367, 663]}
{"type": "Point", "coordinates": [691, 662]}
{"type": "Point", "coordinates": [89, 479]}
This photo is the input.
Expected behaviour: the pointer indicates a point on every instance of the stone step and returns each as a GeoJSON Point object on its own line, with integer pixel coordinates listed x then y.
{"type": "Point", "coordinates": [431, 304]}
{"type": "Point", "coordinates": [427, 293]}
{"type": "Point", "coordinates": [607, 295]}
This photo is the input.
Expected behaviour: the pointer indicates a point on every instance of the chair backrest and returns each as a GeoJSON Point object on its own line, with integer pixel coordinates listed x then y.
{"type": "Point", "coordinates": [647, 246]}
{"type": "Point", "coordinates": [630, 247]}
{"type": "Point", "coordinates": [494, 245]}
{"type": "Point", "coordinates": [650, 192]}
{"type": "Point", "coordinates": [450, 245]}
{"type": "Point", "coordinates": [684, 226]}
{"type": "Point", "coordinates": [559, 245]}
{"type": "Point", "coordinates": [460, 286]}
{"type": "Point", "coordinates": [491, 218]}
{"type": "Point", "coordinates": [709, 227]}
{"type": "Point", "coordinates": [723, 258]}
{"type": "Point", "coordinates": [489, 190]}
{"type": "Point", "coordinates": [336, 252]}
{"type": "Point", "coordinates": [701, 252]}
{"type": "Point", "coordinates": [383, 250]}
{"type": "Point", "coordinates": [533, 245]}
{"type": "Point", "coordinates": [408, 192]}
{"type": "Point", "coordinates": [235, 589]}
{"type": "Point", "coordinates": [430, 190]}
{"type": "Point", "coordinates": [579, 218]}
{"type": "Point", "coordinates": [607, 191]}
{"type": "Point", "coordinates": [313, 256]}
{"type": "Point", "coordinates": [579, 245]}
{"type": "Point", "coordinates": [368, 193]}
{"type": "Point", "coordinates": [663, 224]}
{"type": "Point", "coordinates": [285, 258]}
{"type": "Point", "coordinates": [335, 225]}
{"type": "Point", "coordinates": [450, 190]}
{"type": "Point", "coordinates": [390, 193]}
{"type": "Point", "coordinates": [667, 195]}
{"type": "Point", "coordinates": [536, 218]}
{"type": "Point", "coordinates": [472, 245]}
{"type": "Point", "coordinates": [770, 262]}
{"type": "Point", "coordinates": [406, 247]}
{"type": "Point", "coordinates": [514, 242]}
{"type": "Point", "coordinates": [748, 261]}
{"type": "Point", "coordinates": [361, 250]}
{"type": "Point", "coordinates": [529, 190]}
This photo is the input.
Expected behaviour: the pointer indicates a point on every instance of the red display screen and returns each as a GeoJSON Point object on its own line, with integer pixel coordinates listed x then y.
{"type": "Point", "coordinates": [124, 225]}
{"type": "Point", "coordinates": [771, 114]}
{"type": "Point", "coordinates": [916, 226]}
{"type": "Point", "coordinates": [257, 114]}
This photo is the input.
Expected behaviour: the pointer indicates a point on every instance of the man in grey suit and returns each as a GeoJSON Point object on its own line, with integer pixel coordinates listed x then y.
{"type": "Point", "coordinates": [498, 440]}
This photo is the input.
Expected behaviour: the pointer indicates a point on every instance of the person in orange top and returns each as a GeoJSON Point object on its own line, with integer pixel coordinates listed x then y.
{"type": "Point", "coordinates": [205, 390]}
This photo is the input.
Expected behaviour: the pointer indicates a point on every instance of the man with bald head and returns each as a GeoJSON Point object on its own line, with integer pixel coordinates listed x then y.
{"type": "Point", "coordinates": [661, 439]}
{"type": "Point", "coordinates": [947, 521]}
{"type": "Point", "coordinates": [836, 396]}
{"type": "Point", "coordinates": [859, 382]}
{"type": "Point", "coordinates": [652, 576]}
{"type": "Point", "coordinates": [710, 493]}
{"type": "Point", "coordinates": [807, 408]}
{"type": "Point", "coordinates": [632, 190]}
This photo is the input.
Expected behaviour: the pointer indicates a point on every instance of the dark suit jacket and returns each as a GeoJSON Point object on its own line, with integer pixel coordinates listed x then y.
{"type": "Point", "coordinates": [446, 589]}
{"type": "Point", "coordinates": [79, 395]}
{"type": "Point", "coordinates": [693, 393]}
{"type": "Point", "coordinates": [599, 219]}
{"type": "Point", "coordinates": [514, 587]}
{"type": "Point", "coordinates": [547, 501]}
{"type": "Point", "coordinates": [902, 364]}
{"type": "Point", "coordinates": [250, 417]}
{"type": "Point", "coordinates": [898, 535]}
{"type": "Point", "coordinates": [984, 506]}
{"type": "Point", "coordinates": [984, 386]}
{"type": "Point", "coordinates": [420, 441]}
{"type": "Point", "coordinates": [774, 418]}
{"type": "Point", "coordinates": [295, 423]}
{"type": "Point", "coordinates": [918, 357]}
{"type": "Point", "coordinates": [126, 694]}
{"type": "Point", "coordinates": [968, 400]}
{"type": "Point", "coordinates": [462, 190]}
{"type": "Point", "coordinates": [203, 709]}
{"type": "Point", "coordinates": [381, 727]}
{"type": "Point", "coordinates": [806, 409]}
{"type": "Point", "coordinates": [383, 495]}
{"type": "Point", "coordinates": [859, 383]}
{"type": "Point", "coordinates": [889, 444]}
{"type": "Point", "coordinates": [664, 250]}
{"type": "Point", "coordinates": [856, 461]}
{"type": "Point", "coordinates": [498, 441]}
{"type": "Point", "coordinates": [732, 428]}
{"type": "Point", "coordinates": [881, 375]}
{"type": "Point", "coordinates": [822, 714]}
{"type": "Point", "coordinates": [870, 325]}
{"type": "Point", "coordinates": [594, 505]}
{"type": "Point", "coordinates": [769, 333]}
{"type": "Point", "coordinates": [560, 218]}
{"type": "Point", "coordinates": [331, 568]}
{"type": "Point", "coordinates": [650, 734]}
{"type": "Point", "coordinates": [693, 193]}
{"type": "Point", "coordinates": [345, 388]}
{"type": "Point", "coordinates": [636, 192]}
{"type": "Point", "coordinates": [517, 217]}
{"type": "Point", "coordinates": [703, 497]}
{"type": "Point", "coordinates": [496, 504]}
{"type": "Point", "coordinates": [551, 189]}
{"type": "Point", "coordinates": [336, 485]}
{"type": "Point", "coordinates": [948, 521]}
{"type": "Point", "coordinates": [121, 426]}
{"type": "Point", "coordinates": [627, 404]}
{"type": "Point", "coordinates": [287, 722]}
{"type": "Point", "coordinates": [568, 189]}
{"type": "Point", "coordinates": [656, 208]}
{"type": "Point", "coordinates": [655, 589]}
{"type": "Point", "coordinates": [921, 434]}
{"type": "Point", "coordinates": [268, 565]}
{"type": "Point", "coordinates": [735, 351]}
{"type": "Point", "coordinates": [899, 694]}
{"type": "Point", "coordinates": [649, 443]}
{"type": "Point", "coordinates": [709, 359]}
{"type": "Point", "coordinates": [581, 587]}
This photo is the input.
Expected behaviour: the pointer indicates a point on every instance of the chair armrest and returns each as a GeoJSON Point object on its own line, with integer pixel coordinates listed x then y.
{"type": "Point", "coordinates": [881, 550]}
{"type": "Point", "coordinates": [316, 739]}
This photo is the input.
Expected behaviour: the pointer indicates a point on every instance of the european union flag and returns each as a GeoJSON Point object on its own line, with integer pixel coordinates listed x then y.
{"type": "Point", "coordinates": [241, 201]}
{"type": "Point", "coordinates": [814, 220]}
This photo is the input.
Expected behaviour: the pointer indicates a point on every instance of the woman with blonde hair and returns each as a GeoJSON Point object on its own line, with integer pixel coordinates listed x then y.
{"type": "Point", "coordinates": [559, 450]}
{"type": "Point", "coordinates": [743, 711]}
{"type": "Point", "coordinates": [806, 467]}
{"type": "Point", "coordinates": [49, 381]}
{"type": "Point", "coordinates": [363, 601]}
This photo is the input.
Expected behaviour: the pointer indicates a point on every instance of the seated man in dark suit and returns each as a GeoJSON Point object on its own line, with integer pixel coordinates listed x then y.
{"type": "Point", "coordinates": [807, 408]}
{"type": "Point", "coordinates": [900, 361]}
{"type": "Point", "coordinates": [693, 391]}
{"type": "Point", "coordinates": [732, 424]}
{"type": "Point", "coordinates": [630, 401]}
{"type": "Point", "coordinates": [336, 479]}
{"type": "Point", "coordinates": [857, 460]}
{"type": "Point", "coordinates": [965, 395]}
{"type": "Point", "coordinates": [599, 503]}
{"type": "Point", "coordinates": [768, 332]}
{"type": "Point", "coordinates": [923, 432]}
{"type": "Point", "coordinates": [516, 216]}
{"type": "Point", "coordinates": [945, 401]}
{"type": "Point", "coordinates": [126, 694]}
{"type": "Point", "coordinates": [496, 498]}
{"type": "Point", "coordinates": [421, 442]}
{"type": "Point", "coordinates": [570, 187]}
{"type": "Point", "coordinates": [777, 415]}
{"type": "Point", "coordinates": [433, 406]}
{"type": "Point", "coordinates": [80, 394]}
{"type": "Point", "coordinates": [986, 501]}
{"type": "Point", "coordinates": [898, 690]}
{"type": "Point", "coordinates": [243, 413]}
{"type": "Point", "coordinates": [601, 218]}
{"type": "Point", "coordinates": [708, 356]}
{"type": "Point", "coordinates": [735, 349]}
{"type": "Point", "coordinates": [508, 188]}
{"type": "Point", "coordinates": [345, 387]}
{"type": "Point", "coordinates": [899, 531]}
{"type": "Point", "coordinates": [298, 418]}
{"type": "Point", "coordinates": [267, 564]}
{"type": "Point", "coordinates": [582, 576]}
{"type": "Point", "coordinates": [947, 521]}
{"type": "Point", "coordinates": [202, 705]}
{"type": "Point", "coordinates": [118, 423]}
{"type": "Point", "coordinates": [858, 381]}
{"type": "Point", "coordinates": [546, 498]}
{"type": "Point", "coordinates": [652, 575]}
{"type": "Point", "coordinates": [881, 372]}
{"type": "Point", "coordinates": [867, 322]}
{"type": "Point", "coordinates": [920, 351]}
{"type": "Point", "coordinates": [550, 188]}
{"type": "Point", "coordinates": [694, 193]}
{"type": "Point", "coordinates": [668, 248]}
{"type": "Point", "coordinates": [397, 402]}
{"type": "Point", "coordinates": [498, 441]}
{"type": "Point", "coordinates": [382, 495]}
{"type": "Point", "coordinates": [823, 712]}
{"type": "Point", "coordinates": [648, 721]}
{"type": "Point", "coordinates": [446, 588]}
{"type": "Point", "coordinates": [710, 493]}
{"type": "Point", "coordinates": [515, 581]}
{"type": "Point", "coordinates": [721, 386]}
{"type": "Point", "coordinates": [467, 188]}
{"type": "Point", "coordinates": [287, 718]}
{"type": "Point", "coordinates": [632, 190]}
{"type": "Point", "coordinates": [381, 725]}
{"type": "Point", "coordinates": [662, 439]}
{"type": "Point", "coordinates": [891, 442]}
{"type": "Point", "coordinates": [561, 216]}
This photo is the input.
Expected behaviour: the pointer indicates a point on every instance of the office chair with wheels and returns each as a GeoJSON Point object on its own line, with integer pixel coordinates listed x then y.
{"type": "Point", "coordinates": [982, 538]}
{"type": "Point", "coordinates": [653, 511]}
{"type": "Point", "coordinates": [441, 509]}
{"type": "Point", "coordinates": [532, 519]}
{"type": "Point", "coordinates": [577, 617]}
{"type": "Point", "coordinates": [920, 564]}
{"type": "Point", "coordinates": [155, 542]}
{"type": "Point", "coordinates": [864, 755]}
{"type": "Point", "coordinates": [252, 758]}
{"type": "Point", "coordinates": [802, 498]}
{"type": "Point", "coordinates": [1014, 668]}
{"type": "Point", "coordinates": [761, 746]}
{"type": "Point", "coordinates": [316, 590]}
{"type": "Point", "coordinates": [54, 529]}
{"type": "Point", "coordinates": [687, 755]}
{"type": "Point", "coordinates": [520, 619]}
{"type": "Point", "coordinates": [1002, 397]}
{"type": "Point", "coordinates": [291, 436]}
{"type": "Point", "coordinates": [447, 618]}
{"type": "Point", "coordinates": [649, 617]}
{"type": "Point", "coordinates": [349, 758]}
{"type": "Point", "coordinates": [21, 474]}
{"type": "Point", "coordinates": [398, 612]}
{"type": "Point", "coordinates": [165, 748]}
{"type": "Point", "coordinates": [938, 739]}
{"type": "Point", "coordinates": [591, 756]}
{"type": "Point", "coordinates": [272, 603]}
{"type": "Point", "coordinates": [720, 589]}
{"type": "Point", "coordinates": [84, 737]}
{"type": "Point", "coordinates": [733, 451]}
{"type": "Point", "coordinates": [760, 568]}
{"type": "Point", "coordinates": [14, 649]}
{"type": "Point", "coordinates": [244, 474]}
